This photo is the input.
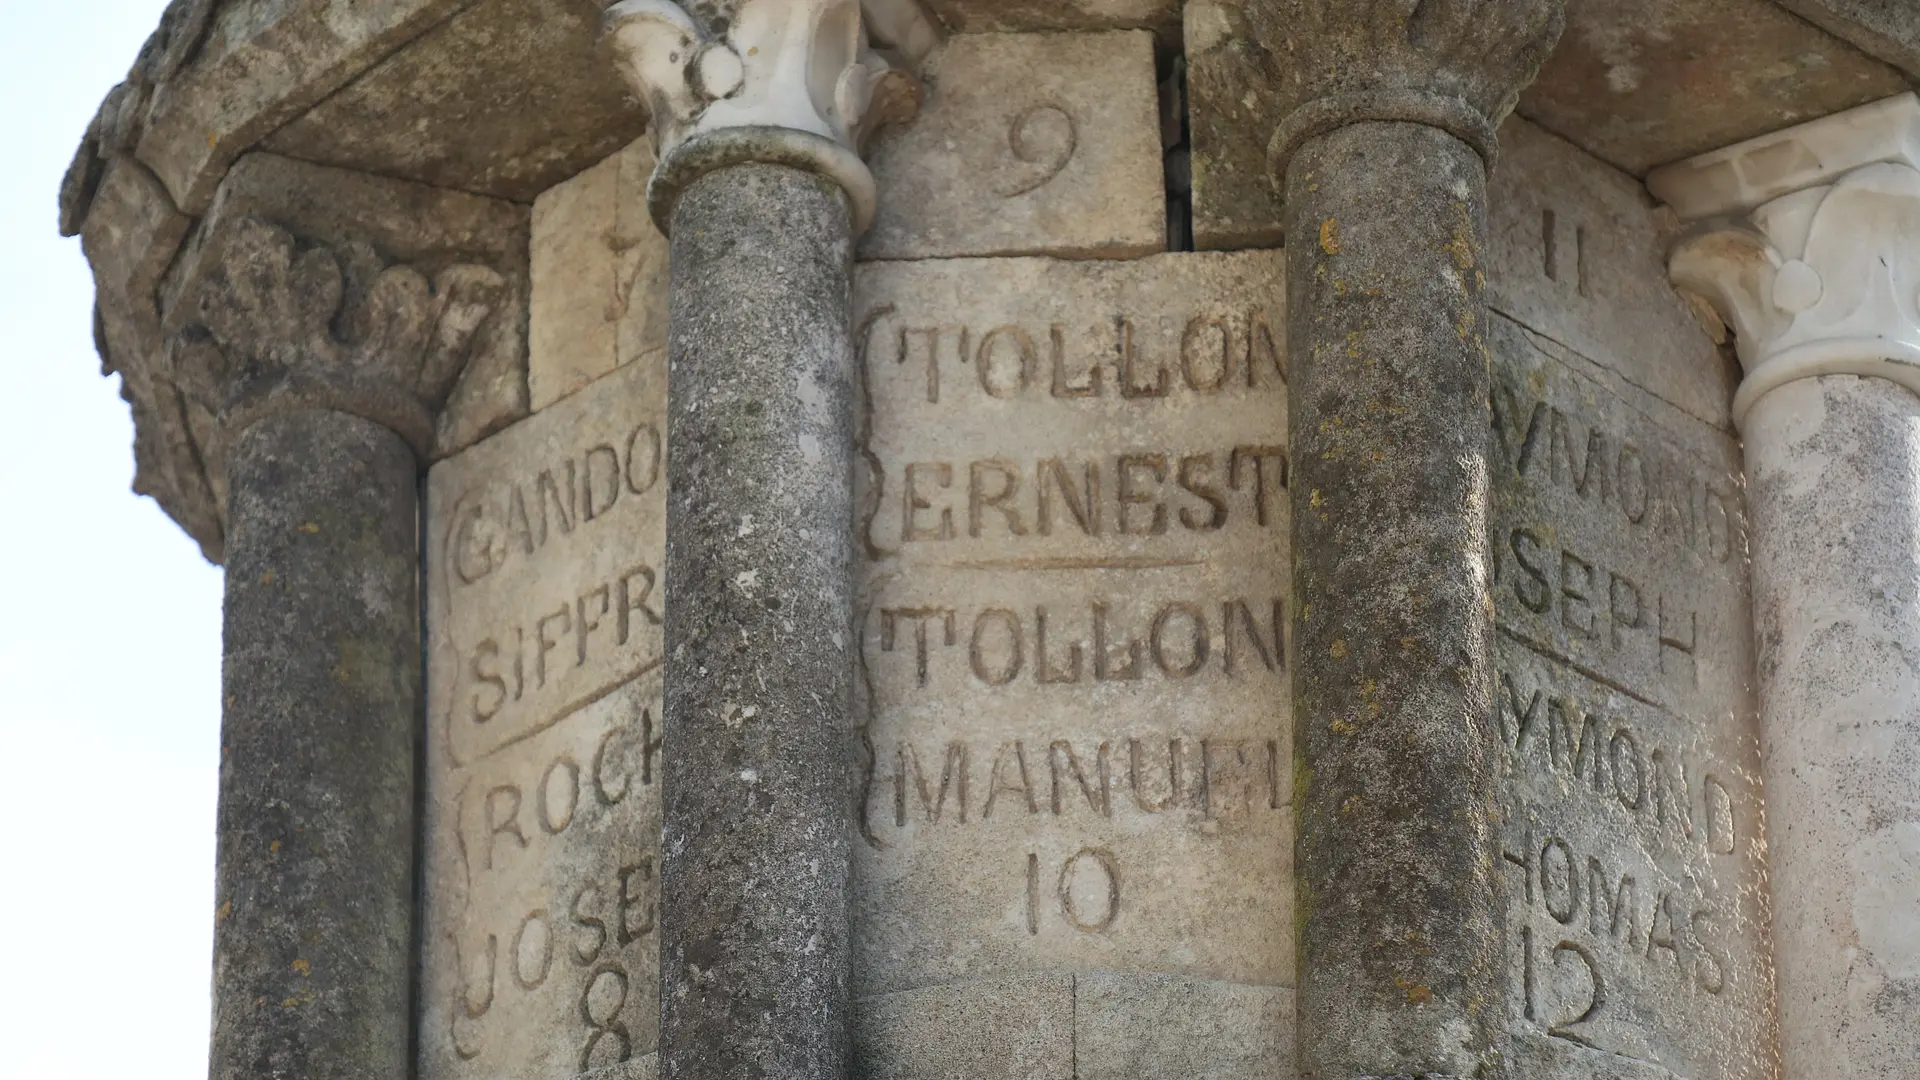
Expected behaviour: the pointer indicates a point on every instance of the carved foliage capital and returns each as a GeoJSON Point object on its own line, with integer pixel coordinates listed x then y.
{"type": "Point", "coordinates": [1458, 65]}
{"type": "Point", "coordinates": [791, 82]}
{"type": "Point", "coordinates": [1818, 282]}
{"type": "Point", "coordinates": [280, 325]}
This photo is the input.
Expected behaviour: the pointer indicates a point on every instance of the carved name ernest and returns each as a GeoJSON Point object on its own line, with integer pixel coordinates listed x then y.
{"type": "Point", "coordinates": [1073, 512]}
{"type": "Point", "coordinates": [1634, 849]}
{"type": "Point", "coordinates": [539, 952]}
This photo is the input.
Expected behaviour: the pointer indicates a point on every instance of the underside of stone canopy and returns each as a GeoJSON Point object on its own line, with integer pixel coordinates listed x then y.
{"type": "Point", "coordinates": [1006, 539]}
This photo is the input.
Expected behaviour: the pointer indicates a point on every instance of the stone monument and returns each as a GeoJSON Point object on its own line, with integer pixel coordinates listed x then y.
{"type": "Point", "coordinates": [1103, 540]}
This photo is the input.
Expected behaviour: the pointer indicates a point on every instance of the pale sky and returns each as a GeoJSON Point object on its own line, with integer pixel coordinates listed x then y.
{"type": "Point", "coordinates": [109, 631]}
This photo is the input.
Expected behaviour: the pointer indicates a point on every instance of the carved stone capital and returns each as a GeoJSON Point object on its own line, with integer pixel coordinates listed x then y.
{"type": "Point", "coordinates": [1458, 65]}
{"type": "Point", "coordinates": [281, 325]}
{"type": "Point", "coordinates": [1808, 245]}
{"type": "Point", "coordinates": [302, 286]}
{"type": "Point", "coordinates": [788, 82]}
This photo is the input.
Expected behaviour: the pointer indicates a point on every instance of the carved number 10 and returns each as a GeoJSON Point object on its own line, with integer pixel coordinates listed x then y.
{"type": "Point", "coordinates": [1093, 906]}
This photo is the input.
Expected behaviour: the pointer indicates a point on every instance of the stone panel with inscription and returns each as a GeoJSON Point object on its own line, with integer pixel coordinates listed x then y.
{"type": "Point", "coordinates": [542, 821]}
{"type": "Point", "coordinates": [1075, 825]}
{"type": "Point", "coordinates": [1027, 144]}
{"type": "Point", "coordinates": [1635, 844]}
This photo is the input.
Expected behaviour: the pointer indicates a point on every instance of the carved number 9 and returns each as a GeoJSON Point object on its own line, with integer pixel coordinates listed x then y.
{"type": "Point", "coordinates": [1045, 137]}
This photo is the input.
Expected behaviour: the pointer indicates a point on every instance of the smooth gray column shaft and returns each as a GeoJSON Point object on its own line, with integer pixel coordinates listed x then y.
{"type": "Point", "coordinates": [756, 793]}
{"type": "Point", "coordinates": [313, 932]}
{"type": "Point", "coordinates": [1833, 472]}
{"type": "Point", "coordinates": [1400, 960]}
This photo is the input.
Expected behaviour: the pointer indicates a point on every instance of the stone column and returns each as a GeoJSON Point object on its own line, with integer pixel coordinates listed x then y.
{"type": "Point", "coordinates": [1813, 258]}
{"type": "Point", "coordinates": [1384, 155]}
{"type": "Point", "coordinates": [318, 373]}
{"type": "Point", "coordinates": [758, 108]}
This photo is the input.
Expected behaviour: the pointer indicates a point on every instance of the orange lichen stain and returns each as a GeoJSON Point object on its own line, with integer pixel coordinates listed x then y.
{"type": "Point", "coordinates": [1330, 236]}
{"type": "Point", "coordinates": [225, 910]}
{"type": "Point", "coordinates": [304, 968]}
{"type": "Point", "coordinates": [310, 528]}
{"type": "Point", "coordinates": [1419, 995]}
{"type": "Point", "coordinates": [266, 578]}
{"type": "Point", "coordinates": [1338, 650]}
{"type": "Point", "coordinates": [274, 847]}
{"type": "Point", "coordinates": [213, 140]}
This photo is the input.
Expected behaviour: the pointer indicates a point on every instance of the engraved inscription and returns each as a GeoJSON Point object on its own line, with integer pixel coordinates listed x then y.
{"type": "Point", "coordinates": [1042, 139]}
{"type": "Point", "coordinates": [539, 950]}
{"type": "Point", "coordinates": [1634, 844]}
{"type": "Point", "coordinates": [1073, 622]}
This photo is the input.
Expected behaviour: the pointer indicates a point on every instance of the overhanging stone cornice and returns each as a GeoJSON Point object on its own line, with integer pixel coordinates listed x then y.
{"type": "Point", "coordinates": [1887, 29]}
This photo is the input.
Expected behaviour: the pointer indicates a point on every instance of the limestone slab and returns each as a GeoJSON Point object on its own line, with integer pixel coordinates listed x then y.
{"type": "Point", "coordinates": [262, 63]}
{"type": "Point", "coordinates": [1232, 111]}
{"type": "Point", "coordinates": [506, 98]}
{"type": "Point", "coordinates": [1577, 252]}
{"type": "Point", "coordinates": [1076, 753]}
{"type": "Point", "coordinates": [599, 269]}
{"type": "Point", "coordinates": [1026, 144]}
{"type": "Point", "coordinates": [981, 16]}
{"type": "Point", "coordinates": [539, 947]}
{"type": "Point", "coordinates": [1634, 846]}
{"type": "Point", "coordinates": [1639, 83]}
{"type": "Point", "coordinates": [1887, 29]}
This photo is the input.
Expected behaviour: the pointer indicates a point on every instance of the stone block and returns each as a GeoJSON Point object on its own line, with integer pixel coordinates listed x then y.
{"type": "Point", "coordinates": [1634, 842]}
{"type": "Point", "coordinates": [404, 222]}
{"type": "Point", "coordinates": [1072, 616]}
{"type": "Point", "coordinates": [1231, 114]}
{"type": "Point", "coordinates": [1026, 16]}
{"type": "Point", "coordinates": [599, 271]}
{"type": "Point", "coordinates": [507, 98]}
{"type": "Point", "coordinates": [261, 64]}
{"type": "Point", "coordinates": [1887, 29]}
{"type": "Point", "coordinates": [540, 844]}
{"type": "Point", "coordinates": [1577, 252]}
{"type": "Point", "coordinates": [1015, 1028]}
{"type": "Point", "coordinates": [1128, 1026]}
{"type": "Point", "coordinates": [1639, 83]}
{"type": "Point", "coordinates": [1027, 144]}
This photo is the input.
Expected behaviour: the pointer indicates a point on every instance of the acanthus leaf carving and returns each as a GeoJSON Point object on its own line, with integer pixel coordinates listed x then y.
{"type": "Point", "coordinates": [1820, 279]}
{"type": "Point", "coordinates": [281, 325]}
{"type": "Point", "coordinates": [1458, 65]}
{"type": "Point", "coordinates": [792, 82]}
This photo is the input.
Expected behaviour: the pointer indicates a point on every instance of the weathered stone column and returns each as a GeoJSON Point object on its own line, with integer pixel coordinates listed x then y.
{"type": "Point", "coordinates": [757, 107]}
{"type": "Point", "coordinates": [1821, 283]}
{"type": "Point", "coordinates": [1384, 157]}
{"type": "Point", "coordinates": [317, 373]}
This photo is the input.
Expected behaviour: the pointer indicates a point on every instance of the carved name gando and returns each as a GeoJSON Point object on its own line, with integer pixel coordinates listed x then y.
{"type": "Point", "coordinates": [1129, 358]}
{"type": "Point", "coordinates": [514, 518]}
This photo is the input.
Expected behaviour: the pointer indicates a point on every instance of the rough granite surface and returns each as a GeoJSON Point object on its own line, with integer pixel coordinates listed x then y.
{"type": "Point", "coordinates": [757, 796]}
{"type": "Point", "coordinates": [1402, 966]}
{"type": "Point", "coordinates": [313, 938]}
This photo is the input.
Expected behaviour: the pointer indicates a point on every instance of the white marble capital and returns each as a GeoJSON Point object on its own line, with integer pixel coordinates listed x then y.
{"type": "Point", "coordinates": [793, 82]}
{"type": "Point", "coordinates": [1808, 243]}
